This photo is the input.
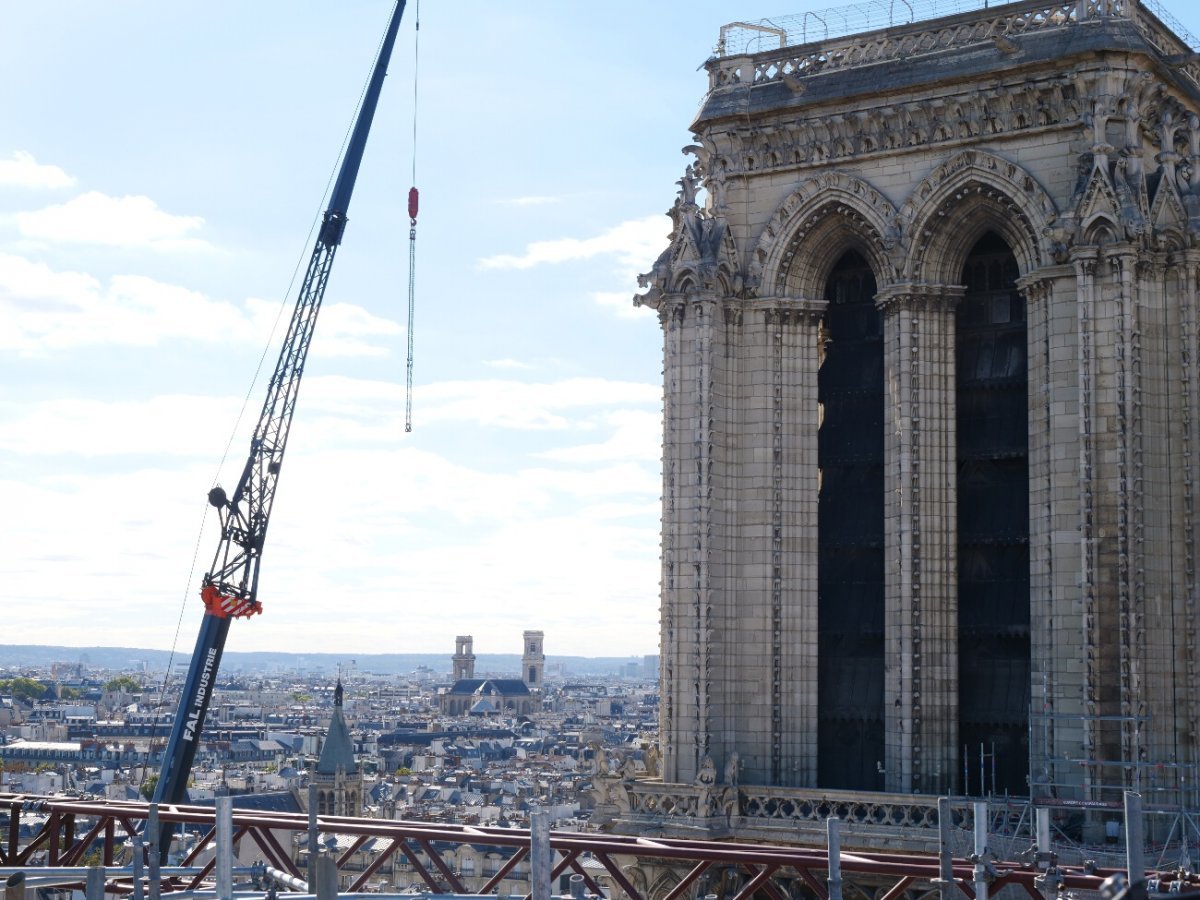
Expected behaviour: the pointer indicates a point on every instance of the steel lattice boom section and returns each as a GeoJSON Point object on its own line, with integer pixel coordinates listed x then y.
{"type": "Point", "coordinates": [244, 517]}
{"type": "Point", "coordinates": [71, 827]}
{"type": "Point", "coordinates": [230, 589]}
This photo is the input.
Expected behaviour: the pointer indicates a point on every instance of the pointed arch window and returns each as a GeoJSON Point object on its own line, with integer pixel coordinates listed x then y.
{"type": "Point", "coordinates": [993, 521]}
{"type": "Point", "coordinates": [850, 567]}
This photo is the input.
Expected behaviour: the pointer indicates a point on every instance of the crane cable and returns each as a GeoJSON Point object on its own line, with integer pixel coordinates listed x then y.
{"type": "Point", "coordinates": [412, 230]}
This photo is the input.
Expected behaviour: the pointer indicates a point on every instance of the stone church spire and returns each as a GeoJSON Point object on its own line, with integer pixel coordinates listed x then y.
{"type": "Point", "coordinates": [338, 780]}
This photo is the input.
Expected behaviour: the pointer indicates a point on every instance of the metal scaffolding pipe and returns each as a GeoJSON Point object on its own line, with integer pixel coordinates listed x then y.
{"type": "Point", "coordinates": [327, 877]}
{"type": "Point", "coordinates": [539, 854]}
{"type": "Point", "coordinates": [151, 829]}
{"type": "Point", "coordinates": [981, 830]}
{"type": "Point", "coordinates": [312, 838]}
{"type": "Point", "coordinates": [224, 861]}
{"type": "Point", "coordinates": [138, 862]}
{"type": "Point", "coordinates": [945, 854]}
{"type": "Point", "coordinates": [288, 881]}
{"type": "Point", "coordinates": [833, 836]}
{"type": "Point", "coordinates": [66, 874]}
{"type": "Point", "coordinates": [14, 886]}
{"type": "Point", "coordinates": [1135, 851]}
{"type": "Point", "coordinates": [95, 883]}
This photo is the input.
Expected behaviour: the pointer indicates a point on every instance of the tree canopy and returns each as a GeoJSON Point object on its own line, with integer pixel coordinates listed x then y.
{"type": "Point", "coordinates": [28, 690]}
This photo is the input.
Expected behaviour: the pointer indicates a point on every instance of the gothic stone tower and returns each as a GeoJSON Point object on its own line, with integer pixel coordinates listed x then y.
{"type": "Point", "coordinates": [533, 661]}
{"type": "Point", "coordinates": [929, 314]}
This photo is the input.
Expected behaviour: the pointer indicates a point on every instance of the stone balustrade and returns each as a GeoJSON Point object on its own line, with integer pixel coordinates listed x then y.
{"type": "Point", "coordinates": [917, 38]}
{"type": "Point", "coordinates": [902, 821]}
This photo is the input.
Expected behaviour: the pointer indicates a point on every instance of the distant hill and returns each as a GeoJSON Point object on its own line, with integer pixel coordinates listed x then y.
{"type": "Point", "coordinates": [127, 658]}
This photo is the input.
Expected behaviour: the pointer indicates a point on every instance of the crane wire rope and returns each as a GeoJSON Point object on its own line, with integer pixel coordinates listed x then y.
{"type": "Point", "coordinates": [263, 356]}
{"type": "Point", "coordinates": [412, 229]}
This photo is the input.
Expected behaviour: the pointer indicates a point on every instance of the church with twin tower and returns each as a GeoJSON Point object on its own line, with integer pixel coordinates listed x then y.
{"type": "Point", "coordinates": [930, 313]}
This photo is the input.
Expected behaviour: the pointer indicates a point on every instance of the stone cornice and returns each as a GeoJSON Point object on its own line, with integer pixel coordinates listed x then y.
{"type": "Point", "coordinates": [915, 295]}
{"type": "Point", "coordinates": [785, 304]}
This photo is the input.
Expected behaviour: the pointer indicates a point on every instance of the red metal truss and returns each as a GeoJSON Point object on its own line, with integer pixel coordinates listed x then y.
{"type": "Point", "coordinates": [762, 869]}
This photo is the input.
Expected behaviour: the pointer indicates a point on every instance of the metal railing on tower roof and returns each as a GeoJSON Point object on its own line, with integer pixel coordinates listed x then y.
{"type": "Point", "coordinates": [739, 38]}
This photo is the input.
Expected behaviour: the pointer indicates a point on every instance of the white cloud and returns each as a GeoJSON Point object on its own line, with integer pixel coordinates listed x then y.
{"type": "Point", "coordinates": [166, 425]}
{"type": "Point", "coordinates": [95, 218]}
{"type": "Point", "coordinates": [512, 404]}
{"type": "Point", "coordinates": [26, 172]}
{"type": "Point", "coordinates": [634, 435]}
{"type": "Point", "coordinates": [621, 419]}
{"type": "Point", "coordinates": [47, 311]}
{"type": "Point", "coordinates": [403, 528]}
{"type": "Point", "coordinates": [345, 328]}
{"type": "Point", "coordinates": [635, 243]}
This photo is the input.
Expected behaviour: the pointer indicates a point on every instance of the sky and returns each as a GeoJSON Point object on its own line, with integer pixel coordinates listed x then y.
{"type": "Point", "coordinates": [161, 167]}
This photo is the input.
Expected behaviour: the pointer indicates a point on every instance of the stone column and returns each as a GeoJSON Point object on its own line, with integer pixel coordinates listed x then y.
{"type": "Point", "coordinates": [686, 651]}
{"type": "Point", "coordinates": [1056, 682]}
{"type": "Point", "coordinates": [920, 522]}
{"type": "Point", "coordinates": [1162, 336]}
{"type": "Point", "coordinates": [1186, 271]}
{"type": "Point", "coordinates": [1130, 577]}
{"type": "Point", "coordinates": [1085, 261]}
{"type": "Point", "coordinates": [777, 511]}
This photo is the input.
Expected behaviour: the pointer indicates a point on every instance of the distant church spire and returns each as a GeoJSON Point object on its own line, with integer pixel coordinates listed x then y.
{"type": "Point", "coordinates": [339, 783]}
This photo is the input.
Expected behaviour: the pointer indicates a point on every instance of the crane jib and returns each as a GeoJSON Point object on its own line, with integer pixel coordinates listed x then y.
{"type": "Point", "coordinates": [339, 200]}
{"type": "Point", "coordinates": [231, 586]}
{"type": "Point", "coordinates": [196, 713]}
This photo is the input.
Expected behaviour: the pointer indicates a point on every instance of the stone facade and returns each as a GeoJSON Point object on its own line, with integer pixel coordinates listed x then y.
{"type": "Point", "coordinates": [533, 660]}
{"type": "Point", "coordinates": [463, 662]}
{"type": "Point", "coordinates": [918, 279]}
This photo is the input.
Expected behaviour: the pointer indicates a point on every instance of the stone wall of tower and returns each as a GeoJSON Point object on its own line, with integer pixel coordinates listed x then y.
{"type": "Point", "coordinates": [1078, 149]}
{"type": "Point", "coordinates": [533, 660]}
{"type": "Point", "coordinates": [464, 657]}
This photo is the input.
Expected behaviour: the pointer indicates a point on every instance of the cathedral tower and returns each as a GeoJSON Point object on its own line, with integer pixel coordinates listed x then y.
{"type": "Point", "coordinates": [930, 314]}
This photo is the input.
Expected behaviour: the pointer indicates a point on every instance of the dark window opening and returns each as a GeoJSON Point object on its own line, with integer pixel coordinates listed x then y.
{"type": "Point", "coordinates": [850, 534]}
{"type": "Point", "coordinates": [993, 523]}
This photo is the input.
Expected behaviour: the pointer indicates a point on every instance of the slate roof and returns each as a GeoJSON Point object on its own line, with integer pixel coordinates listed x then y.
{"type": "Point", "coordinates": [338, 750]}
{"type": "Point", "coordinates": [490, 687]}
{"type": "Point", "coordinates": [267, 801]}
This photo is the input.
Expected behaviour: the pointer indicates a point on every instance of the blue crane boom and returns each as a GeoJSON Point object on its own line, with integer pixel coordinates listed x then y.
{"type": "Point", "coordinates": [230, 589]}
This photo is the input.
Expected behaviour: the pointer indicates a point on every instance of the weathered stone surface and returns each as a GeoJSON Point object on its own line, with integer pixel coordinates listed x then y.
{"type": "Point", "coordinates": [1073, 137]}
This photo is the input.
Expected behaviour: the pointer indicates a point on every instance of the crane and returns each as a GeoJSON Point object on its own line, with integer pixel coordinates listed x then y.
{"type": "Point", "coordinates": [230, 588]}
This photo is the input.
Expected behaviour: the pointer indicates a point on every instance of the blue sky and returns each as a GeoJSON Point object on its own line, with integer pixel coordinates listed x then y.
{"type": "Point", "coordinates": [160, 167]}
